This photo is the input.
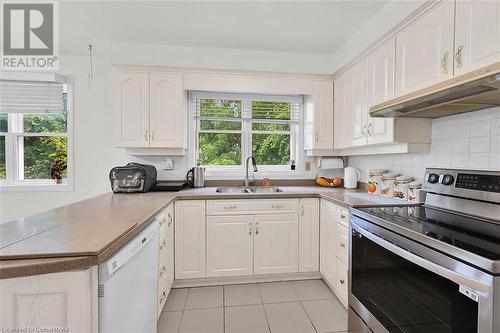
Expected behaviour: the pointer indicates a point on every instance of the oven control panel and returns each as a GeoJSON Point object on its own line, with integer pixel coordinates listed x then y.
{"type": "Point", "coordinates": [472, 184]}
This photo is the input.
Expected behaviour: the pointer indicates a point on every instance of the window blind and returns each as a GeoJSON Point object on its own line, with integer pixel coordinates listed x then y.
{"type": "Point", "coordinates": [31, 97]}
{"type": "Point", "coordinates": [255, 108]}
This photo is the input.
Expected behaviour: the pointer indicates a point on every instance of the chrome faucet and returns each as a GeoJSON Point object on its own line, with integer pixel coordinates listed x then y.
{"type": "Point", "coordinates": [247, 180]}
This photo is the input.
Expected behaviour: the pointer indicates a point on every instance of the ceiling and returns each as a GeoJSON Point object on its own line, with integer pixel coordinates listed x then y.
{"type": "Point", "coordinates": [286, 26]}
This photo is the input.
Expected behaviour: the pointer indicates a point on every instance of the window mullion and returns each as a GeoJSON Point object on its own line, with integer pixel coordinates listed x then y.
{"type": "Point", "coordinates": [247, 128]}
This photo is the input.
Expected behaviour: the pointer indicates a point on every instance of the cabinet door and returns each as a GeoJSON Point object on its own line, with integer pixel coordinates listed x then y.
{"type": "Point", "coordinates": [358, 107]}
{"type": "Point", "coordinates": [168, 112]}
{"type": "Point", "coordinates": [229, 245]}
{"type": "Point", "coordinates": [424, 49]}
{"type": "Point", "coordinates": [379, 88]}
{"type": "Point", "coordinates": [275, 244]}
{"type": "Point", "coordinates": [63, 300]}
{"type": "Point", "coordinates": [341, 102]}
{"type": "Point", "coordinates": [309, 235]}
{"type": "Point", "coordinates": [132, 100]}
{"type": "Point", "coordinates": [319, 117]}
{"type": "Point", "coordinates": [170, 246]}
{"type": "Point", "coordinates": [327, 241]}
{"type": "Point", "coordinates": [190, 239]}
{"type": "Point", "coordinates": [341, 282]}
{"type": "Point", "coordinates": [477, 34]}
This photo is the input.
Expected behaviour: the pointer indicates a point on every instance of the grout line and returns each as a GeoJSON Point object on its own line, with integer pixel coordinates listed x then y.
{"type": "Point", "coordinates": [263, 307]}
{"type": "Point", "coordinates": [303, 308]}
{"type": "Point", "coordinates": [223, 309]}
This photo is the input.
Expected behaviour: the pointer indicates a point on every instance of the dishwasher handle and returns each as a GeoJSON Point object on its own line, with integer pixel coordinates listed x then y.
{"type": "Point", "coordinates": [134, 246]}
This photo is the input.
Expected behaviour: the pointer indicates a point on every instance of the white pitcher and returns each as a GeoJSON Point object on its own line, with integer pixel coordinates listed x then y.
{"type": "Point", "coordinates": [351, 177]}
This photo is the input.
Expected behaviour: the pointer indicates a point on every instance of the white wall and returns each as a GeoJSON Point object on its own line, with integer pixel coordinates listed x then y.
{"type": "Point", "coordinates": [467, 141]}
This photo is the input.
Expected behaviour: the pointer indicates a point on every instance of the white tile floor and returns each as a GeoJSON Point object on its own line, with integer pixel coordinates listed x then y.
{"type": "Point", "coordinates": [273, 307]}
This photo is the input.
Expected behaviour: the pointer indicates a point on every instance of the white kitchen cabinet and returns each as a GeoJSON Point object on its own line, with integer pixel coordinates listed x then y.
{"type": "Point", "coordinates": [341, 281]}
{"type": "Point", "coordinates": [342, 100]}
{"type": "Point", "coordinates": [276, 243]}
{"type": "Point", "coordinates": [190, 239]}
{"type": "Point", "coordinates": [66, 301]}
{"type": "Point", "coordinates": [477, 34]}
{"type": "Point", "coordinates": [166, 260]}
{"type": "Point", "coordinates": [328, 222]}
{"type": "Point", "coordinates": [357, 104]}
{"type": "Point", "coordinates": [229, 245]}
{"type": "Point", "coordinates": [132, 99]}
{"type": "Point", "coordinates": [167, 115]}
{"type": "Point", "coordinates": [170, 245]}
{"type": "Point", "coordinates": [318, 127]}
{"type": "Point", "coordinates": [424, 49]}
{"type": "Point", "coordinates": [380, 87]}
{"type": "Point", "coordinates": [309, 235]}
{"type": "Point", "coordinates": [152, 109]}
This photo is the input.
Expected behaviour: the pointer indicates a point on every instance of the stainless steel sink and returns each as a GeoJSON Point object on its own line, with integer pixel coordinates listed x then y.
{"type": "Point", "coordinates": [232, 190]}
{"type": "Point", "coordinates": [248, 190]}
{"type": "Point", "coordinates": [266, 190]}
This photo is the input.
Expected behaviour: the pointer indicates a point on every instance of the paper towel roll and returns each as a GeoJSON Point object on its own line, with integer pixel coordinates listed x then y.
{"type": "Point", "coordinates": [331, 163]}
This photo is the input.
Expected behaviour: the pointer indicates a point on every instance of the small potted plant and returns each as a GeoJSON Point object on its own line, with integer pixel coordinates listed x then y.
{"type": "Point", "coordinates": [58, 169]}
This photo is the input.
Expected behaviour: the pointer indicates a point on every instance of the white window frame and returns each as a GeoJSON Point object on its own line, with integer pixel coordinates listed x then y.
{"type": "Point", "coordinates": [296, 137]}
{"type": "Point", "coordinates": [13, 152]}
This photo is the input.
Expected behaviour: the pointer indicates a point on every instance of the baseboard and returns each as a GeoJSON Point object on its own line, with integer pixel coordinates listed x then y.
{"type": "Point", "coordinates": [218, 281]}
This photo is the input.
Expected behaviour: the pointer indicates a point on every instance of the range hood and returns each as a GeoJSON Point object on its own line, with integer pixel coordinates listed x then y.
{"type": "Point", "coordinates": [473, 91]}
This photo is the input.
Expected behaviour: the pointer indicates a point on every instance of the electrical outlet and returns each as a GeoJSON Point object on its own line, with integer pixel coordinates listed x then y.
{"type": "Point", "coordinates": [167, 164]}
{"type": "Point", "coordinates": [307, 166]}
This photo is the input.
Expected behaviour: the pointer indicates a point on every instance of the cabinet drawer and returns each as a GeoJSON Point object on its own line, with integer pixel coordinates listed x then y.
{"type": "Point", "coordinates": [343, 216]}
{"type": "Point", "coordinates": [163, 266]}
{"type": "Point", "coordinates": [341, 243]}
{"type": "Point", "coordinates": [163, 244]}
{"type": "Point", "coordinates": [341, 287]}
{"type": "Point", "coordinates": [252, 206]}
{"type": "Point", "coordinates": [162, 295]}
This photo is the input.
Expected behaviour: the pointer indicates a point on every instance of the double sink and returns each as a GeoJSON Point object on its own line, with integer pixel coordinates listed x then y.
{"type": "Point", "coordinates": [248, 190]}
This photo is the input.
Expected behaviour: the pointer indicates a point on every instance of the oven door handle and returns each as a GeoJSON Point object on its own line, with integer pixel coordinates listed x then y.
{"type": "Point", "coordinates": [435, 268]}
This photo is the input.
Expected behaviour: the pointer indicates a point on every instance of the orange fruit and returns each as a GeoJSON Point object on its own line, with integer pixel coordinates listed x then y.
{"type": "Point", "coordinates": [372, 188]}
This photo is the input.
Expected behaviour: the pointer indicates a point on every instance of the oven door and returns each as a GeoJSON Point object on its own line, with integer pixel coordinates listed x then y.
{"type": "Point", "coordinates": [399, 285]}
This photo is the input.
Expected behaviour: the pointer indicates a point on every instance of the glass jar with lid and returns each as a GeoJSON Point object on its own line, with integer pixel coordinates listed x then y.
{"type": "Point", "coordinates": [388, 179]}
{"type": "Point", "coordinates": [415, 193]}
{"type": "Point", "coordinates": [401, 187]}
{"type": "Point", "coordinates": [375, 181]}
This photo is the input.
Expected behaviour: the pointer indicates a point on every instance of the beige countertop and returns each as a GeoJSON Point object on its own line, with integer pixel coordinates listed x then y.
{"type": "Point", "coordinates": [88, 232]}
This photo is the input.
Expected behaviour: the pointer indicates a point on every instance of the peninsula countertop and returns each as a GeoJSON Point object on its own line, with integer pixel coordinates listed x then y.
{"type": "Point", "coordinates": [86, 233]}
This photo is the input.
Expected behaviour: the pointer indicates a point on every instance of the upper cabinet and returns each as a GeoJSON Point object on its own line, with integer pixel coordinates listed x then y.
{"type": "Point", "coordinates": [366, 83]}
{"type": "Point", "coordinates": [318, 126]}
{"type": "Point", "coordinates": [152, 110]}
{"type": "Point", "coordinates": [477, 34]}
{"type": "Point", "coordinates": [133, 105]}
{"type": "Point", "coordinates": [424, 49]}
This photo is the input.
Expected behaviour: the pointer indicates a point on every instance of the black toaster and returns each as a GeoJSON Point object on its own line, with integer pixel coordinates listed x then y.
{"type": "Point", "coordinates": [133, 177]}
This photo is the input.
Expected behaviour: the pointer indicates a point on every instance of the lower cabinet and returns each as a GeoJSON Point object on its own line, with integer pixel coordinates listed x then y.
{"type": "Point", "coordinates": [190, 239]}
{"type": "Point", "coordinates": [334, 248]}
{"type": "Point", "coordinates": [230, 245]}
{"type": "Point", "coordinates": [65, 302]}
{"type": "Point", "coordinates": [309, 235]}
{"type": "Point", "coordinates": [276, 247]}
{"type": "Point", "coordinates": [165, 256]}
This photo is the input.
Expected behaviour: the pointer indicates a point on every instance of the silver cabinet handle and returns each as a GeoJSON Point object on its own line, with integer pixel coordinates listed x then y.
{"type": "Point", "coordinates": [277, 206]}
{"type": "Point", "coordinates": [459, 56]}
{"type": "Point", "coordinates": [163, 244]}
{"type": "Point", "coordinates": [342, 244]}
{"type": "Point", "coordinates": [302, 210]}
{"type": "Point", "coordinates": [250, 229]}
{"type": "Point", "coordinates": [163, 297]}
{"type": "Point", "coordinates": [369, 129]}
{"type": "Point", "coordinates": [230, 207]}
{"type": "Point", "coordinates": [146, 135]}
{"type": "Point", "coordinates": [444, 62]}
{"type": "Point", "coordinates": [341, 281]}
{"type": "Point", "coordinates": [342, 216]}
{"type": "Point", "coordinates": [162, 221]}
{"type": "Point", "coordinates": [163, 270]}
{"type": "Point", "coordinates": [153, 135]}
{"type": "Point", "coordinates": [363, 130]}
{"type": "Point", "coordinates": [317, 137]}
{"type": "Point", "coordinates": [257, 228]}
{"type": "Point", "coordinates": [170, 219]}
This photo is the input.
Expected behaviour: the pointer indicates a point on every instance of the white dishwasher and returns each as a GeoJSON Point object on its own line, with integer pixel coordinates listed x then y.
{"type": "Point", "coordinates": [128, 283]}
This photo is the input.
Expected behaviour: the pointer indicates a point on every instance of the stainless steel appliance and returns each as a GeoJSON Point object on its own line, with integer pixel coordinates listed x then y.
{"type": "Point", "coordinates": [431, 268]}
{"type": "Point", "coordinates": [195, 177]}
{"type": "Point", "coordinates": [479, 89]}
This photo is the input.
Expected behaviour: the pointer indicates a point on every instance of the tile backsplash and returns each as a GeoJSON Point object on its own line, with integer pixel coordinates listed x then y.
{"type": "Point", "coordinates": [468, 141]}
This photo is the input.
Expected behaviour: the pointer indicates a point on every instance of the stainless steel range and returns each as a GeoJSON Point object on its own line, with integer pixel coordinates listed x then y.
{"type": "Point", "coordinates": [431, 268]}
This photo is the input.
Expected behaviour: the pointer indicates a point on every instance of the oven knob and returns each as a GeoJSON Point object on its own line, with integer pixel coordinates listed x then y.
{"type": "Point", "coordinates": [432, 178]}
{"type": "Point", "coordinates": [447, 180]}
